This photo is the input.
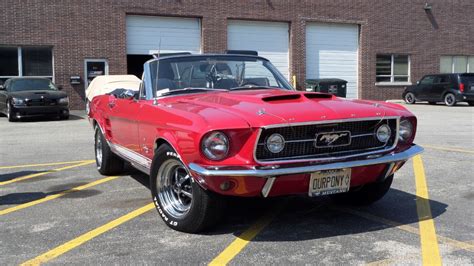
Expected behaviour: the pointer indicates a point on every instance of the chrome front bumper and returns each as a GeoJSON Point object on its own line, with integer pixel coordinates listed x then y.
{"type": "Point", "coordinates": [274, 172]}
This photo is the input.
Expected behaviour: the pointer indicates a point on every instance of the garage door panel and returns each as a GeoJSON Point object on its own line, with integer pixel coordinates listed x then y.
{"type": "Point", "coordinates": [170, 34]}
{"type": "Point", "coordinates": [270, 39]}
{"type": "Point", "coordinates": [332, 52]}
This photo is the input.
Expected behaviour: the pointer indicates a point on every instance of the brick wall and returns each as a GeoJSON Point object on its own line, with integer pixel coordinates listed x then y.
{"type": "Point", "coordinates": [96, 29]}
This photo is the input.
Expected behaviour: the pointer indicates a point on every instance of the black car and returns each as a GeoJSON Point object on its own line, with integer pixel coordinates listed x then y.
{"type": "Point", "coordinates": [447, 88]}
{"type": "Point", "coordinates": [28, 97]}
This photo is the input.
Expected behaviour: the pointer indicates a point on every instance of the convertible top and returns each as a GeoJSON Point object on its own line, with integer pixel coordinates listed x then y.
{"type": "Point", "coordinates": [105, 84]}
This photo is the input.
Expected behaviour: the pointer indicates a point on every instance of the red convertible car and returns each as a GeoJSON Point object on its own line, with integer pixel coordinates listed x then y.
{"type": "Point", "coordinates": [206, 126]}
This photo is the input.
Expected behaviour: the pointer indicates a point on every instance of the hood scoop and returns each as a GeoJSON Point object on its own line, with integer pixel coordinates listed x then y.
{"type": "Point", "coordinates": [318, 95]}
{"type": "Point", "coordinates": [281, 97]}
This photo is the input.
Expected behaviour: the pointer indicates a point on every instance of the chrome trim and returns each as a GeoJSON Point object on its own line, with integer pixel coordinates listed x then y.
{"type": "Point", "coordinates": [398, 118]}
{"type": "Point", "coordinates": [312, 140]}
{"type": "Point", "coordinates": [385, 159]}
{"type": "Point", "coordinates": [268, 186]}
{"type": "Point", "coordinates": [141, 162]}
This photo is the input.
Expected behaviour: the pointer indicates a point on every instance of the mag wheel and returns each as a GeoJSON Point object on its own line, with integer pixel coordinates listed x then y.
{"type": "Point", "coordinates": [410, 98]}
{"type": "Point", "coordinates": [10, 115]}
{"type": "Point", "coordinates": [182, 204]}
{"type": "Point", "coordinates": [107, 162]}
{"type": "Point", "coordinates": [450, 99]}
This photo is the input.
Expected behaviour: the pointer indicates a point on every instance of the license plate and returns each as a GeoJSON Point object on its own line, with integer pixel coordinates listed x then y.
{"type": "Point", "coordinates": [329, 182]}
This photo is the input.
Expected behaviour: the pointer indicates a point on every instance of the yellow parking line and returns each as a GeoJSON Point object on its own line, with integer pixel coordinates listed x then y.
{"type": "Point", "coordinates": [447, 149]}
{"type": "Point", "coordinates": [407, 228]}
{"type": "Point", "coordinates": [45, 173]}
{"type": "Point", "coordinates": [59, 250]}
{"type": "Point", "coordinates": [55, 196]}
{"type": "Point", "coordinates": [242, 240]}
{"type": "Point", "coordinates": [429, 242]}
{"type": "Point", "coordinates": [42, 164]}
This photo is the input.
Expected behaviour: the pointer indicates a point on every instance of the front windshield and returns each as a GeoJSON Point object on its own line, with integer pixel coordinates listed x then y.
{"type": "Point", "coordinates": [32, 85]}
{"type": "Point", "coordinates": [214, 73]}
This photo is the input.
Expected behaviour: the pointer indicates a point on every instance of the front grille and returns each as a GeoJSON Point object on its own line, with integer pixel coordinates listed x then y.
{"type": "Point", "coordinates": [41, 102]}
{"type": "Point", "coordinates": [300, 140]}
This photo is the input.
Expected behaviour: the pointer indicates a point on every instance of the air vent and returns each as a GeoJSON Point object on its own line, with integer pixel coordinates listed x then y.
{"type": "Point", "coordinates": [318, 96]}
{"type": "Point", "coordinates": [282, 97]}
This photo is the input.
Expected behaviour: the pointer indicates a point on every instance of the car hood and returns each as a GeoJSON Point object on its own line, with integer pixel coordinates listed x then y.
{"type": "Point", "coordinates": [38, 94]}
{"type": "Point", "coordinates": [269, 107]}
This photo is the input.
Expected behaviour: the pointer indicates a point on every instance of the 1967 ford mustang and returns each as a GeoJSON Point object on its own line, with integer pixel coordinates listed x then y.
{"type": "Point", "coordinates": [206, 126]}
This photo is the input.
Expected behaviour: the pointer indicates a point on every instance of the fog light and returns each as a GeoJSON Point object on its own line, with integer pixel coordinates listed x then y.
{"type": "Point", "coordinates": [383, 133]}
{"type": "Point", "coordinates": [226, 185]}
{"type": "Point", "coordinates": [275, 143]}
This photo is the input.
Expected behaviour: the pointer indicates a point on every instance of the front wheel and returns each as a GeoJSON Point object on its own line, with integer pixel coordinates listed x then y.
{"type": "Point", "coordinates": [450, 99]}
{"type": "Point", "coordinates": [10, 114]}
{"type": "Point", "coordinates": [365, 195]}
{"type": "Point", "coordinates": [182, 203]}
{"type": "Point", "coordinates": [409, 98]}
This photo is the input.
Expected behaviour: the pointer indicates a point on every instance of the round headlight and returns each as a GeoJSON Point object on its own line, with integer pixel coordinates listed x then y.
{"type": "Point", "coordinates": [275, 143]}
{"type": "Point", "coordinates": [406, 130]}
{"type": "Point", "coordinates": [383, 133]}
{"type": "Point", "coordinates": [215, 145]}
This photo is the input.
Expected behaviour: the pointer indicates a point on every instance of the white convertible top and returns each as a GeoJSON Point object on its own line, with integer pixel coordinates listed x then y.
{"type": "Point", "coordinates": [104, 84]}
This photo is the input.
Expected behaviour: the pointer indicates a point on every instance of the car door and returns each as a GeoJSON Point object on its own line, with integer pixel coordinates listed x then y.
{"type": "Point", "coordinates": [440, 84]}
{"type": "Point", "coordinates": [423, 89]}
{"type": "Point", "coordinates": [123, 112]}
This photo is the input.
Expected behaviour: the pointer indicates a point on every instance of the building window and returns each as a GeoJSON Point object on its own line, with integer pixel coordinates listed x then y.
{"type": "Point", "coordinates": [392, 68]}
{"type": "Point", "coordinates": [26, 61]}
{"type": "Point", "coordinates": [457, 64]}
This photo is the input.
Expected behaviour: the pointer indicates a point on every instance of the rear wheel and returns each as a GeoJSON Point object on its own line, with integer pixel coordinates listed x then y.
{"type": "Point", "coordinates": [365, 195]}
{"type": "Point", "coordinates": [10, 115]}
{"type": "Point", "coordinates": [107, 162]}
{"type": "Point", "coordinates": [450, 99]}
{"type": "Point", "coordinates": [409, 98]}
{"type": "Point", "coordinates": [182, 203]}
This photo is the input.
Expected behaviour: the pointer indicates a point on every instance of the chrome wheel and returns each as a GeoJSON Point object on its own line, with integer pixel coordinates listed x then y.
{"type": "Point", "coordinates": [174, 188]}
{"type": "Point", "coordinates": [450, 99]}
{"type": "Point", "coordinates": [98, 149]}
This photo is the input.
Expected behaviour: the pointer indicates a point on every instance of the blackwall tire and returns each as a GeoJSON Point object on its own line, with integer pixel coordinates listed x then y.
{"type": "Point", "coordinates": [107, 162]}
{"type": "Point", "coordinates": [365, 195]}
{"type": "Point", "coordinates": [410, 98]}
{"type": "Point", "coordinates": [181, 203]}
{"type": "Point", "coordinates": [10, 115]}
{"type": "Point", "coordinates": [450, 99]}
{"type": "Point", "coordinates": [470, 103]}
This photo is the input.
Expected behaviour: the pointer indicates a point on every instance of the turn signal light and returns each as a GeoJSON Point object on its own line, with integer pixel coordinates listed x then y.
{"type": "Point", "coordinates": [461, 87]}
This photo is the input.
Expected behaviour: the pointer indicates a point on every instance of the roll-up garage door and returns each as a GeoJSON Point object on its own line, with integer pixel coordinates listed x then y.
{"type": "Point", "coordinates": [270, 39]}
{"type": "Point", "coordinates": [332, 52]}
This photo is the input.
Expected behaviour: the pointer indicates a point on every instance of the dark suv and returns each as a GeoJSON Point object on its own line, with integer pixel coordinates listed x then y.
{"type": "Point", "coordinates": [447, 88]}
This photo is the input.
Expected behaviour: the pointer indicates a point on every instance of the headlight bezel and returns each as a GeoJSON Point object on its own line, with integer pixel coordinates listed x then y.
{"type": "Point", "coordinates": [207, 142]}
{"type": "Point", "coordinates": [405, 130]}
{"type": "Point", "coordinates": [18, 101]}
{"type": "Point", "coordinates": [64, 100]}
{"type": "Point", "coordinates": [388, 133]}
{"type": "Point", "coordinates": [275, 136]}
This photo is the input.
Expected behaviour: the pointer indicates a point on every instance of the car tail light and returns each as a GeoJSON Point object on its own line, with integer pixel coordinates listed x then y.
{"type": "Point", "coordinates": [461, 87]}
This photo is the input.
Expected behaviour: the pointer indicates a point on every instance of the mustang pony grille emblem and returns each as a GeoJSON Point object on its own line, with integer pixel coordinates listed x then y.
{"type": "Point", "coordinates": [333, 139]}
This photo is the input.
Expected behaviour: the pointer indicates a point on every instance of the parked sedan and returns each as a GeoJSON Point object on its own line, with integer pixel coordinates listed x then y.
{"type": "Point", "coordinates": [447, 88]}
{"type": "Point", "coordinates": [208, 126]}
{"type": "Point", "coordinates": [30, 97]}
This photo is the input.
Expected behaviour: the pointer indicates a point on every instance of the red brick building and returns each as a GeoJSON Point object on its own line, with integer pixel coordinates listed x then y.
{"type": "Point", "coordinates": [378, 46]}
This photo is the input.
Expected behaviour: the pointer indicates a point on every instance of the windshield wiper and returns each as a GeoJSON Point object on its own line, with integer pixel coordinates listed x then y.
{"type": "Point", "coordinates": [254, 88]}
{"type": "Point", "coordinates": [185, 90]}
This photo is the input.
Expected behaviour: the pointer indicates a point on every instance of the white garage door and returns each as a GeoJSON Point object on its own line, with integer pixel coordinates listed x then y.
{"type": "Point", "coordinates": [332, 52]}
{"type": "Point", "coordinates": [270, 39]}
{"type": "Point", "coordinates": [145, 33]}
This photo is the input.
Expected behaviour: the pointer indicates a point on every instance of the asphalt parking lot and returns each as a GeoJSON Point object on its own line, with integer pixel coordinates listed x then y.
{"type": "Point", "coordinates": [55, 207]}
